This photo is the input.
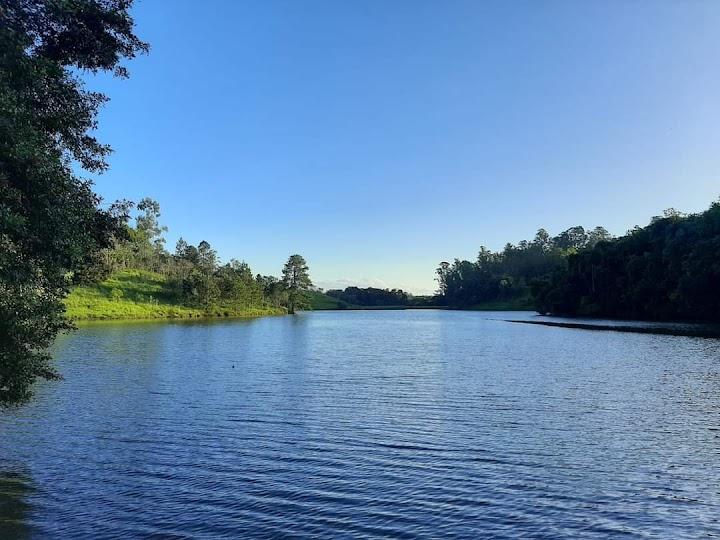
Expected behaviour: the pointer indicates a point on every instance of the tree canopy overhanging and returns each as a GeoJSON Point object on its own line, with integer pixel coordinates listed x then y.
{"type": "Point", "coordinates": [51, 225]}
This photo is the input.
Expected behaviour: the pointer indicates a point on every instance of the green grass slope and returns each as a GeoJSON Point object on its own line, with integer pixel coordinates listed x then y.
{"type": "Point", "coordinates": [138, 294]}
{"type": "Point", "coordinates": [321, 301]}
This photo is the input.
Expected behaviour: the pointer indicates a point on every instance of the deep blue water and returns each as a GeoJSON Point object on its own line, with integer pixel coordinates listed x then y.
{"type": "Point", "coordinates": [394, 424]}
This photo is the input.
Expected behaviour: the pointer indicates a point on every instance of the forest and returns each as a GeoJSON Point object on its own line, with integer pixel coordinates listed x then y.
{"type": "Point", "coordinates": [371, 297]}
{"type": "Point", "coordinates": [509, 276]}
{"type": "Point", "coordinates": [667, 270]}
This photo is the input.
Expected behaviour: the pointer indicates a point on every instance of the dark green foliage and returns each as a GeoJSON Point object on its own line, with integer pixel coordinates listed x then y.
{"type": "Point", "coordinates": [273, 290]}
{"type": "Point", "coordinates": [667, 270]}
{"type": "Point", "coordinates": [51, 229]}
{"type": "Point", "coordinates": [507, 276]}
{"type": "Point", "coordinates": [296, 282]}
{"type": "Point", "coordinates": [321, 301]}
{"type": "Point", "coordinates": [371, 296]}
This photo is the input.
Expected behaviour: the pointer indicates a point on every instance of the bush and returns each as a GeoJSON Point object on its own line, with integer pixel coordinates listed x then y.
{"type": "Point", "coordinates": [116, 294]}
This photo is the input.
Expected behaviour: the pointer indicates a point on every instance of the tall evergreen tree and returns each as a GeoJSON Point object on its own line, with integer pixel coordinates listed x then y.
{"type": "Point", "coordinates": [296, 281]}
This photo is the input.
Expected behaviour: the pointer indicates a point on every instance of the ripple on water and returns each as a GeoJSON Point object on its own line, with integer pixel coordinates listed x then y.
{"type": "Point", "coordinates": [402, 424]}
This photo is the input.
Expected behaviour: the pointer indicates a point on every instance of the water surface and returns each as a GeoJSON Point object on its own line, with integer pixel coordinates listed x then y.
{"type": "Point", "coordinates": [395, 424]}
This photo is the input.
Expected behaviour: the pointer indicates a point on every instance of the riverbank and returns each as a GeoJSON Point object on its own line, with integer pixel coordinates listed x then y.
{"type": "Point", "coordinates": [138, 294]}
{"type": "Point", "coordinates": [668, 329]}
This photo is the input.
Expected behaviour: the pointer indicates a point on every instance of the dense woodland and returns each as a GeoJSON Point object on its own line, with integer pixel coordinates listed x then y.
{"type": "Point", "coordinates": [510, 274]}
{"type": "Point", "coordinates": [668, 270]}
{"type": "Point", "coordinates": [371, 296]}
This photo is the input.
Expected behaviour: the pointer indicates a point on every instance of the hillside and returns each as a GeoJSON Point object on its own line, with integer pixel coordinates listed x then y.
{"type": "Point", "coordinates": [320, 301]}
{"type": "Point", "coordinates": [139, 294]}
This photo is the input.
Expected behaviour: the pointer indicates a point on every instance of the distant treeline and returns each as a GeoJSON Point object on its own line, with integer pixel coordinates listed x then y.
{"type": "Point", "coordinates": [511, 273]}
{"type": "Point", "coordinates": [371, 296]}
{"type": "Point", "coordinates": [668, 270]}
{"type": "Point", "coordinates": [375, 297]}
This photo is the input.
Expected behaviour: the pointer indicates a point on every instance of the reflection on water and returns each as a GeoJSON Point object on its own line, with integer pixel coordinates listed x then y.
{"type": "Point", "coordinates": [15, 489]}
{"type": "Point", "coordinates": [418, 424]}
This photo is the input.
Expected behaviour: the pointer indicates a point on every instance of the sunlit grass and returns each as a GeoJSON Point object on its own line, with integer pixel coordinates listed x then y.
{"type": "Point", "coordinates": [320, 300]}
{"type": "Point", "coordinates": [138, 294]}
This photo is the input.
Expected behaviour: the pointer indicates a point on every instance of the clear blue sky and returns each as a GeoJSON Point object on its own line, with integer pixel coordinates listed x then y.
{"type": "Point", "coordinates": [378, 138]}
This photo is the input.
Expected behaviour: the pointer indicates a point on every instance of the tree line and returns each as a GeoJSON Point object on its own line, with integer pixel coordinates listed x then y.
{"type": "Point", "coordinates": [371, 296]}
{"type": "Point", "coordinates": [667, 270]}
{"type": "Point", "coordinates": [510, 274]}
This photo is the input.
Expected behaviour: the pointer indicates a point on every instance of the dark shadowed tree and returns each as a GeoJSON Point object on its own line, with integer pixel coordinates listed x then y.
{"type": "Point", "coordinates": [598, 234]}
{"type": "Point", "coordinates": [296, 281]}
{"type": "Point", "coordinates": [574, 238]}
{"type": "Point", "coordinates": [50, 221]}
{"type": "Point", "coordinates": [667, 270]}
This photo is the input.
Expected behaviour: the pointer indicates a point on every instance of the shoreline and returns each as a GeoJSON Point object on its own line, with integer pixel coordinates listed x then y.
{"type": "Point", "coordinates": [687, 331]}
{"type": "Point", "coordinates": [225, 314]}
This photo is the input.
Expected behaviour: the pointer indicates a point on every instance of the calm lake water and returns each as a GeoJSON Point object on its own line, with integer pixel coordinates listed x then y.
{"type": "Point", "coordinates": [396, 424]}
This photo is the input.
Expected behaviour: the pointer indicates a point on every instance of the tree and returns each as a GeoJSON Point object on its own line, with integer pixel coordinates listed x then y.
{"type": "Point", "coordinates": [50, 221]}
{"type": "Point", "coordinates": [148, 222]}
{"type": "Point", "coordinates": [296, 281]}
{"type": "Point", "coordinates": [542, 240]}
{"type": "Point", "coordinates": [273, 290]}
{"type": "Point", "coordinates": [667, 270]}
{"type": "Point", "coordinates": [207, 257]}
{"type": "Point", "coordinates": [598, 234]}
{"type": "Point", "coordinates": [147, 243]}
{"type": "Point", "coordinates": [574, 238]}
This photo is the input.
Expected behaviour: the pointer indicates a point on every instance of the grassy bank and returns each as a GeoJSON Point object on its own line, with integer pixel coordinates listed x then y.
{"type": "Point", "coordinates": [138, 294]}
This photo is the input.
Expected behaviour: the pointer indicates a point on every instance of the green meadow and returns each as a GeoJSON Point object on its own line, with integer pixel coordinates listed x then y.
{"type": "Point", "coordinates": [140, 294]}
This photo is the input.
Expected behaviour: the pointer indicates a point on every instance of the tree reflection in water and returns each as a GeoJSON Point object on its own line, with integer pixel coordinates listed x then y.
{"type": "Point", "coordinates": [15, 489]}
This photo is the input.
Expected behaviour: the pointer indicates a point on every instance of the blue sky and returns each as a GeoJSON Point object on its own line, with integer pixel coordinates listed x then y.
{"type": "Point", "coordinates": [378, 138]}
